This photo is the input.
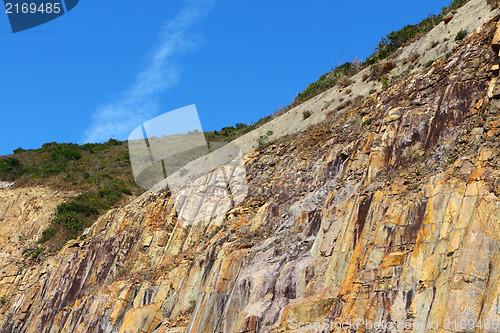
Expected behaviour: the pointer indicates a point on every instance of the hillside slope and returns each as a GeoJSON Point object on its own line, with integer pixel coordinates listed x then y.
{"type": "Point", "coordinates": [387, 211]}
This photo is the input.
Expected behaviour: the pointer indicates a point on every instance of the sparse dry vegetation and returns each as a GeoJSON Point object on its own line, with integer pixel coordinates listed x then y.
{"type": "Point", "coordinates": [379, 70]}
{"type": "Point", "coordinates": [357, 100]}
{"type": "Point", "coordinates": [344, 105]}
{"type": "Point", "coordinates": [493, 3]}
{"type": "Point", "coordinates": [412, 59]}
{"type": "Point", "coordinates": [344, 81]}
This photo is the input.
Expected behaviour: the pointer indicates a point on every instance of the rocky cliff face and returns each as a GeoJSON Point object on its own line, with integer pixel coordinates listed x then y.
{"type": "Point", "coordinates": [386, 213]}
{"type": "Point", "coordinates": [25, 213]}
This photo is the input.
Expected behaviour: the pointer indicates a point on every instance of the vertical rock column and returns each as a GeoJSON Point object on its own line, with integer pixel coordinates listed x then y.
{"type": "Point", "coordinates": [494, 87]}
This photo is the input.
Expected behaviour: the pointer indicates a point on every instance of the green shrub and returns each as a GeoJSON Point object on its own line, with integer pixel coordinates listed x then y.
{"type": "Point", "coordinates": [262, 142]}
{"type": "Point", "coordinates": [33, 252]}
{"type": "Point", "coordinates": [78, 208]}
{"type": "Point", "coordinates": [461, 35]}
{"type": "Point", "coordinates": [368, 121]}
{"type": "Point", "coordinates": [37, 253]}
{"type": "Point", "coordinates": [385, 83]}
{"type": "Point", "coordinates": [9, 163]}
{"type": "Point", "coordinates": [70, 220]}
{"type": "Point", "coordinates": [69, 154]}
{"type": "Point", "coordinates": [11, 168]}
{"type": "Point", "coordinates": [51, 170]}
{"type": "Point", "coordinates": [72, 216]}
{"type": "Point", "coordinates": [19, 150]}
{"type": "Point", "coordinates": [429, 63]}
{"type": "Point", "coordinates": [127, 191]}
{"type": "Point", "coordinates": [47, 235]}
{"type": "Point", "coordinates": [104, 192]}
{"type": "Point", "coordinates": [327, 81]}
{"type": "Point", "coordinates": [113, 142]}
{"type": "Point", "coordinates": [120, 186]}
{"type": "Point", "coordinates": [109, 194]}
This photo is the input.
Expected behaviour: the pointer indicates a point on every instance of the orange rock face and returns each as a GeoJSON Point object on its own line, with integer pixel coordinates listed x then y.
{"type": "Point", "coordinates": [390, 225]}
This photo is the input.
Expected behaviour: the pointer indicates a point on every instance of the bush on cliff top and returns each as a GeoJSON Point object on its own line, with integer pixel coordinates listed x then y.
{"type": "Point", "coordinates": [10, 168]}
{"type": "Point", "coordinates": [101, 172]}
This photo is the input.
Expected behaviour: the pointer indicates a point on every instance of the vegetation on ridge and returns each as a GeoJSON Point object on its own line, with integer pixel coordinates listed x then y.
{"type": "Point", "coordinates": [101, 173]}
{"type": "Point", "coordinates": [340, 75]}
{"type": "Point", "coordinates": [387, 46]}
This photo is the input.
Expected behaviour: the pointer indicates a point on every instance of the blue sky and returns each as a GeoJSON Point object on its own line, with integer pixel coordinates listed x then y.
{"type": "Point", "coordinates": [105, 67]}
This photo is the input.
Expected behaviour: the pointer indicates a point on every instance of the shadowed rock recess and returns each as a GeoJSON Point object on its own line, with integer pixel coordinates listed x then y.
{"type": "Point", "coordinates": [387, 212]}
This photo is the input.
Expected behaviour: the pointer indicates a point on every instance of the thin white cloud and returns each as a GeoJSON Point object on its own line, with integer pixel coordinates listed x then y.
{"type": "Point", "coordinates": [118, 118]}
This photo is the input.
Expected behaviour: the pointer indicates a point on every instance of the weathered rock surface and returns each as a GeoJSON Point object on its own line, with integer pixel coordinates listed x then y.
{"type": "Point", "coordinates": [24, 214]}
{"type": "Point", "coordinates": [388, 212]}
